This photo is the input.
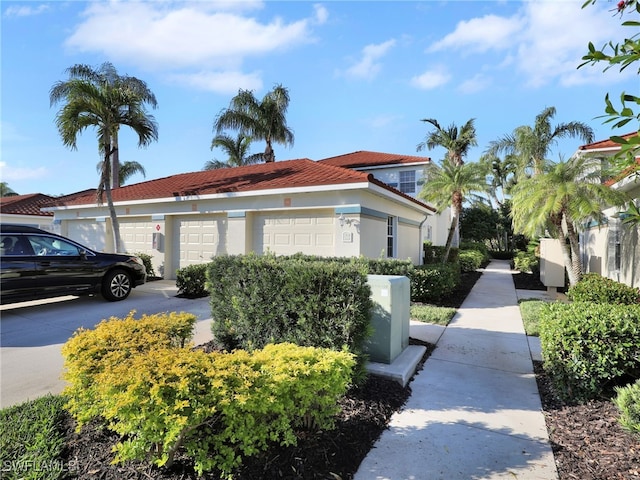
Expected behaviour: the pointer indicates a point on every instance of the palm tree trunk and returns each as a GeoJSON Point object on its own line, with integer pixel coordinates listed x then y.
{"type": "Point", "coordinates": [452, 231]}
{"type": "Point", "coordinates": [564, 248]}
{"type": "Point", "coordinates": [576, 261]}
{"type": "Point", "coordinates": [115, 161]}
{"type": "Point", "coordinates": [269, 155]}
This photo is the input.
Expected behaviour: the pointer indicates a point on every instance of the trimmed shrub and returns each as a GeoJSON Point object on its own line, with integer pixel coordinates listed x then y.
{"type": "Point", "coordinates": [501, 254]}
{"type": "Point", "coordinates": [477, 246]}
{"type": "Point", "coordinates": [146, 260]}
{"type": "Point", "coordinates": [192, 281]}
{"type": "Point", "coordinates": [89, 353]}
{"type": "Point", "coordinates": [628, 402]}
{"type": "Point", "coordinates": [31, 440]}
{"type": "Point", "coordinates": [526, 262]}
{"type": "Point", "coordinates": [589, 348]}
{"type": "Point", "coordinates": [432, 282]}
{"type": "Point", "coordinates": [258, 300]}
{"type": "Point", "coordinates": [470, 260]}
{"type": "Point", "coordinates": [435, 254]}
{"type": "Point", "coordinates": [593, 287]}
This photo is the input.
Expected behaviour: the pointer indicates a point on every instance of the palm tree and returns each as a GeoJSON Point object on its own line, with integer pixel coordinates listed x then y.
{"type": "Point", "coordinates": [265, 120]}
{"type": "Point", "coordinates": [126, 171]}
{"type": "Point", "coordinates": [564, 194]}
{"type": "Point", "coordinates": [237, 152]}
{"type": "Point", "coordinates": [502, 177]}
{"type": "Point", "coordinates": [452, 184]}
{"type": "Point", "coordinates": [6, 190]}
{"type": "Point", "coordinates": [103, 99]}
{"type": "Point", "coordinates": [457, 142]}
{"type": "Point", "coordinates": [530, 146]}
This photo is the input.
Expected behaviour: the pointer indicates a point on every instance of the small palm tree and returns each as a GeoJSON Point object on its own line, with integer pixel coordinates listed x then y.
{"type": "Point", "coordinates": [456, 142]}
{"type": "Point", "coordinates": [530, 146]}
{"type": "Point", "coordinates": [259, 120]}
{"type": "Point", "coordinates": [103, 99]}
{"type": "Point", "coordinates": [237, 151]}
{"type": "Point", "coordinates": [127, 170]}
{"type": "Point", "coordinates": [558, 199]}
{"type": "Point", "coordinates": [451, 184]}
{"type": "Point", "coordinates": [6, 190]}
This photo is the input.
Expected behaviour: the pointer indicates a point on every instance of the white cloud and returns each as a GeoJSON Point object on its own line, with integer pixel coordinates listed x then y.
{"type": "Point", "coordinates": [368, 67]}
{"type": "Point", "coordinates": [431, 79]}
{"type": "Point", "coordinates": [476, 84]}
{"type": "Point", "coordinates": [227, 82]}
{"type": "Point", "coordinates": [212, 37]}
{"type": "Point", "coordinates": [25, 10]}
{"type": "Point", "coordinates": [12, 174]}
{"type": "Point", "coordinates": [383, 121]}
{"type": "Point", "coordinates": [490, 32]}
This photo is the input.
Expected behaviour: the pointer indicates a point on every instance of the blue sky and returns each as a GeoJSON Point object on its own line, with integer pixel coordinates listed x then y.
{"type": "Point", "coordinates": [361, 75]}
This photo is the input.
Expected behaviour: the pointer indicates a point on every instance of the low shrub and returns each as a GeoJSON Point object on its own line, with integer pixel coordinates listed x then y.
{"type": "Point", "coordinates": [146, 260]}
{"type": "Point", "coordinates": [192, 281]}
{"type": "Point", "coordinates": [432, 282]}
{"type": "Point", "coordinates": [628, 402]}
{"type": "Point", "coordinates": [432, 314]}
{"type": "Point", "coordinates": [501, 254]}
{"type": "Point", "coordinates": [31, 440]}
{"type": "Point", "coordinates": [477, 246]}
{"type": "Point", "coordinates": [526, 262]}
{"type": "Point", "coordinates": [593, 287]}
{"type": "Point", "coordinates": [215, 408]}
{"type": "Point", "coordinates": [267, 299]}
{"type": "Point", "coordinates": [433, 254]}
{"type": "Point", "coordinates": [530, 313]}
{"type": "Point", "coordinates": [89, 353]}
{"type": "Point", "coordinates": [470, 260]}
{"type": "Point", "coordinates": [590, 348]}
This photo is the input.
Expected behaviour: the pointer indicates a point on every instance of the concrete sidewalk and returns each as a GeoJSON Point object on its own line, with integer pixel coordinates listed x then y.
{"type": "Point", "coordinates": [474, 411]}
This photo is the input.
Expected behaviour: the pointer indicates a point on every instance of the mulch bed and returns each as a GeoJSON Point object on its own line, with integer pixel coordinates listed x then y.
{"type": "Point", "coordinates": [587, 441]}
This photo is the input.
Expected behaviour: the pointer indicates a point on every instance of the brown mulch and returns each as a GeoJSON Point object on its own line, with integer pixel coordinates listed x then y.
{"type": "Point", "coordinates": [587, 441]}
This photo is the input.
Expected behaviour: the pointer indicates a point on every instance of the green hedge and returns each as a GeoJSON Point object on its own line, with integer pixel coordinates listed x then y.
{"type": "Point", "coordinates": [526, 262]}
{"type": "Point", "coordinates": [433, 282]}
{"type": "Point", "coordinates": [435, 254]}
{"type": "Point", "coordinates": [589, 348]}
{"type": "Point", "coordinates": [470, 260]}
{"type": "Point", "coordinates": [596, 288]}
{"type": "Point", "coordinates": [628, 402]}
{"type": "Point", "coordinates": [192, 281]}
{"type": "Point", "coordinates": [256, 300]}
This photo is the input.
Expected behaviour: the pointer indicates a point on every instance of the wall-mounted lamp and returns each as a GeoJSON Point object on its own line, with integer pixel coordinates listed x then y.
{"type": "Point", "coordinates": [344, 220]}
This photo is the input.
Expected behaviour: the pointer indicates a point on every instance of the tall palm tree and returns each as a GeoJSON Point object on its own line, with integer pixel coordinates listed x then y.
{"type": "Point", "coordinates": [237, 151]}
{"type": "Point", "coordinates": [563, 195]}
{"type": "Point", "coordinates": [452, 184]}
{"type": "Point", "coordinates": [530, 146]}
{"type": "Point", "coordinates": [456, 142]}
{"type": "Point", "coordinates": [259, 120]}
{"type": "Point", "coordinates": [103, 99]}
{"type": "Point", "coordinates": [6, 190]}
{"type": "Point", "coordinates": [126, 170]}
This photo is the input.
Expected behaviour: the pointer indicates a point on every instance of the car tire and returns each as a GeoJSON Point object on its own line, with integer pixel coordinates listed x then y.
{"type": "Point", "coordinates": [116, 285]}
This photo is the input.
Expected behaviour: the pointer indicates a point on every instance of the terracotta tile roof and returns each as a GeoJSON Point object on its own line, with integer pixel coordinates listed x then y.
{"type": "Point", "coordinates": [264, 176]}
{"type": "Point", "coordinates": [29, 204]}
{"type": "Point", "coordinates": [605, 144]}
{"type": "Point", "coordinates": [363, 159]}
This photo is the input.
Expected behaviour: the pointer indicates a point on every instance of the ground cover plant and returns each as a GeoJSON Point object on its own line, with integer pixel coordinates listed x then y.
{"type": "Point", "coordinates": [431, 314]}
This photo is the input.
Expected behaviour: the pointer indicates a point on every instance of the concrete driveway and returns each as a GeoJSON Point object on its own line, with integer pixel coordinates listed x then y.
{"type": "Point", "coordinates": [32, 333]}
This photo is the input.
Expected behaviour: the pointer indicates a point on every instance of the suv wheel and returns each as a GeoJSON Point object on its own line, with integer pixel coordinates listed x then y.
{"type": "Point", "coordinates": [116, 285]}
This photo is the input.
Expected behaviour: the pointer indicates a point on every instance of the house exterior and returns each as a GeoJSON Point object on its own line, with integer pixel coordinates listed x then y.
{"type": "Point", "coordinates": [403, 172]}
{"type": "Point", "coordinates": [611, 248]}
{"type": "Point", "coordinates": [26, 210]}
{"type": "Point", "coordinates": [282, 207]}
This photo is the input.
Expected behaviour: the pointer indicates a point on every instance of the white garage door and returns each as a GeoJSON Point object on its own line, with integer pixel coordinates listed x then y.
{"type": "Point", "coordinates": [310, 233]}
{"type": "Point", "coordinates": [137, 235]}
{"type": "Point", "coordinates": [196, 239]}
{"type": "Point", "coordinates": [89, 233]}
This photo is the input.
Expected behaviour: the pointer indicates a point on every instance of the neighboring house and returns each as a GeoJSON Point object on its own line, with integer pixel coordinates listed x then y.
{"type": "Point", "coordinates": [26, 210]}
{"type": "Point", "coordinates": [283, 207]}
{"type": "Point", "coordinates": [403, 172]}
{"type": "Point", "coordinates": [612, 248]}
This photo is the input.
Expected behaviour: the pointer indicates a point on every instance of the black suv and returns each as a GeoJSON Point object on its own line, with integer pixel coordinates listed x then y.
{"type": "Point", "coordinates": [39, 264]}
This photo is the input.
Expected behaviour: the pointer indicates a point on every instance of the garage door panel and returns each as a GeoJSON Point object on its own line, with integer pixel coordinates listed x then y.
{"type": "Point", "coordinates": [290, 233]}
{"type": "Point", "coordinates": [198, 239]}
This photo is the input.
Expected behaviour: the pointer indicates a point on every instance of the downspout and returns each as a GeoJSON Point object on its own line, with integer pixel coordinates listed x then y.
{"type": "Point", "coordinates": [420, 242]}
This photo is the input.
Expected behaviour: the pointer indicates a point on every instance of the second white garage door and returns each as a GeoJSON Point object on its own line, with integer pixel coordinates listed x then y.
{"type": "Point", "coordinates": [310, 233]}
{"type": "Point", "coordinates": [197, 239]}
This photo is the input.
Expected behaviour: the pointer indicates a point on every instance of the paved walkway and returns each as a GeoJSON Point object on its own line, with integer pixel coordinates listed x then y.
{"type": "Point", "coordinates": [474, 411]}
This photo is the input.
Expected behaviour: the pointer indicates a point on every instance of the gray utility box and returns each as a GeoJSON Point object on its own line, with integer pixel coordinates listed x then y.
{"type": "Point", "coordinates": [390, 319]}
{"type": "Point", "coordinates": [551, 263]}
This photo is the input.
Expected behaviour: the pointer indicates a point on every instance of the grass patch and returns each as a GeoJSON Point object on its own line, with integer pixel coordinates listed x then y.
{"type": "Point", "coordinates": [431, 314]}
{"type": "Point", "coordinates": [530, 312]}
{"type": "Point", "coordinates": [31, 439]}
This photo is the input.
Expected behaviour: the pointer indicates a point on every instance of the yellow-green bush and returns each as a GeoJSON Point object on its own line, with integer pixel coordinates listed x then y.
{"type": "Point", "coordinates": [88, 353]}
{"type": "Point", "coordinates": [214, 407]}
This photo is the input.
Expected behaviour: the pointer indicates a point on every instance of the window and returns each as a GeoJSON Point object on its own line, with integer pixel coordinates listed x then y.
{"type": "Point", "coordinates": [391, 237]}
{"type": "Point", "coordinates": [408, 182]}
